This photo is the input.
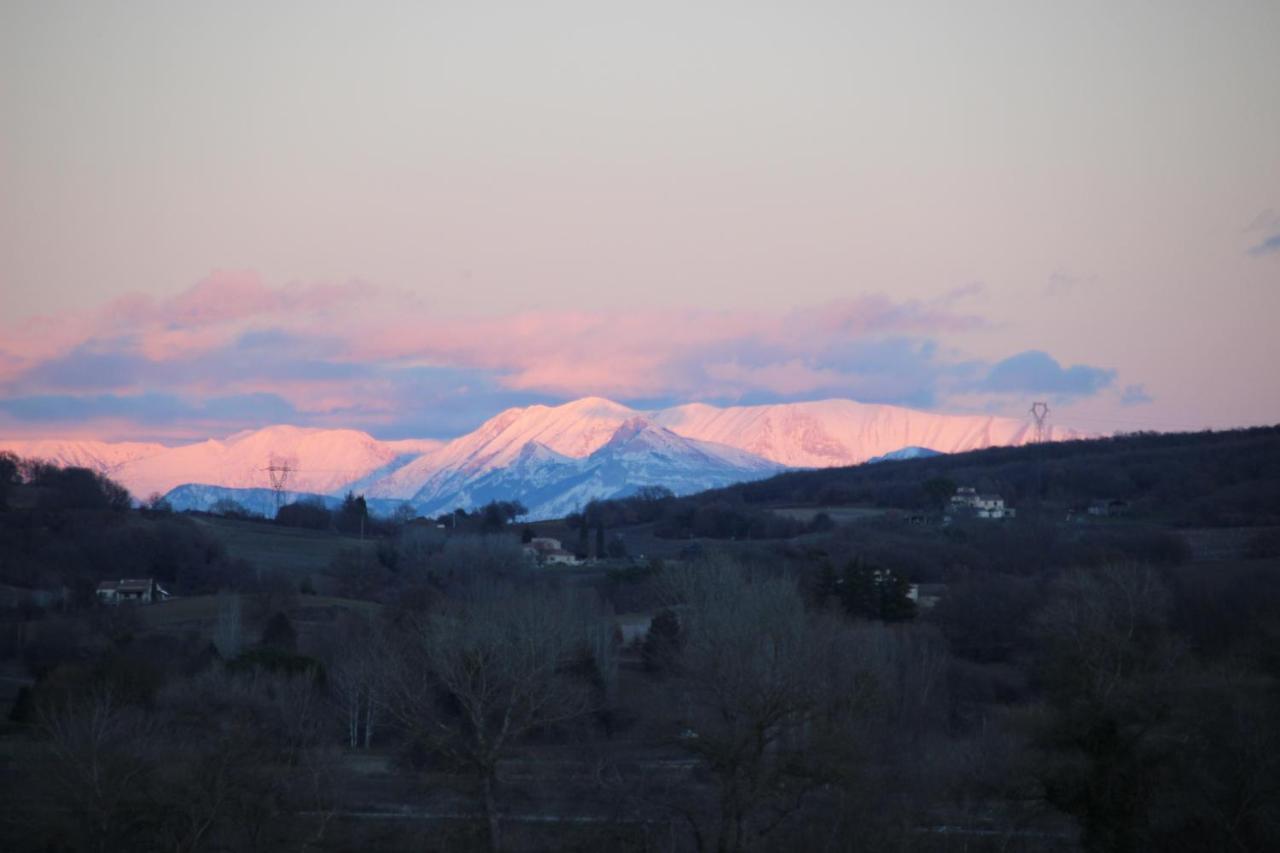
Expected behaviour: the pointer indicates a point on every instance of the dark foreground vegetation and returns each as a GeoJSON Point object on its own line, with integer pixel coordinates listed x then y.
{"type": "Point", "coordinates": [815, 662]}
{"type": "Point", "coordinates": [1222, 479]}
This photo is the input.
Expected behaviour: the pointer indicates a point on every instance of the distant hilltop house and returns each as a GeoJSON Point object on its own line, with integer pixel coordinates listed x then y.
{"type": "Point", "coordinates": [968, 501]}
{"type": "Point", "coordinates": [549, 551]}
{"type": "Point", "coordinates": [137, 591]}
{"type": "Point", "coordinates": [1098, 508]}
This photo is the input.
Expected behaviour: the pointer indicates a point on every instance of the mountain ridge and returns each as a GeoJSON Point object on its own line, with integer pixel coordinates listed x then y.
{"type": "Point", "coordinates": [540, 450]}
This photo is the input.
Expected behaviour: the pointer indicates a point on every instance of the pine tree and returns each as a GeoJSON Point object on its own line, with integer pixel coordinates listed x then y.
{"type": "Point", "coordinates": [858, 592]}
{"type": "Point", "coordinates": [895, 598]}
{"type": "Point", "coordinates": [584, 540]}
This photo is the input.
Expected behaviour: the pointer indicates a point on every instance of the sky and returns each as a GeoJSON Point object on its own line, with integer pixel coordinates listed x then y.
{"type": "Point", "coordinates": [405, 217]}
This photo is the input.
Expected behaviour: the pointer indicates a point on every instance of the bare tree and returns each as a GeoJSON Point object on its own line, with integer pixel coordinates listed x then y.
{"type": "Point", "coordinates": [1106, 627]}
{"type": "Point", "coordinates": [101, 759]}
{"type": "Point", "coordinates": [1111, 670]}
{"type": "Point", "coordinates": [476, 676]}
{"type": "Point", "coordinates": [355, 677]}
{"type": "Point", "coordinates": [761, 679]}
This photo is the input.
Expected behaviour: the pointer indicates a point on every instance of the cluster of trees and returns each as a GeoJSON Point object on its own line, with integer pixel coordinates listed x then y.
{"type": "Point", "coordinates": [135, 757]}
{"type": "Point", "coordinates": [723, 517]}
{"type": "Point", "coordinates": [50, 487]}
{"type": "Point", "coordinates": [351, 517]}
{"type": "Point", "coordinates": [865, 591]}
{"type": "Point", "coordinates": [62, 530]}
{"type": "Point", "coordinates": [493, 517]}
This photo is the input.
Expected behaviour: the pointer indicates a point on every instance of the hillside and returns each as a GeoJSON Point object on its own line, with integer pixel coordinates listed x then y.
{"type": "Point", "coordinates": [1206, 478]}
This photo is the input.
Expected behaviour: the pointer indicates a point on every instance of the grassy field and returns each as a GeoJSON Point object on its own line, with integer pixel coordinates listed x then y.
{"type": "Point", "coordinates": [839, 514]}
{"type": "Point", "coordinates": [289, 549]}
{"type": "Point", "coordinates": [312, 616]}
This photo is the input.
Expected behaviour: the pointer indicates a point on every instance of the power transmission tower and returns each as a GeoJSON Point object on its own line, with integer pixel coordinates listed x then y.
{"type": "Point", "coordinates": [279, 470]}
{"type": "Point", "coordinates": [1040, 411]}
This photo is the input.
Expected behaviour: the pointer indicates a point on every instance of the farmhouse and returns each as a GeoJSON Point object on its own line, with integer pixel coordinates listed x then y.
{"type": "Point", "coordinates": [968, 501]}
{"type": "Point", "coordinates": [137, 591]}
{"type": "Point", "coordinates": [549, 552]}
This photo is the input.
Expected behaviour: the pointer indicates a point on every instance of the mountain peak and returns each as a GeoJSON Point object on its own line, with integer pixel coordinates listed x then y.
{"type": "Point", "coordinates": [632, 427]}
{"type": "Point", "coordinates": [594, 407]}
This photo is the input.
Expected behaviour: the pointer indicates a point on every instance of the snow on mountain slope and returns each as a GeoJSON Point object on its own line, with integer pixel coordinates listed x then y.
{"type": "Point", "coordinates": [573, 430]}
{"type": "Point", "coordinates": [102, 456]}
{"type": "Point", "coordinates": [552, 484]}
{"type": "Point", "coordinates": [327, 461]}
{"type": "Point", "coordinates": [826, 433]}
{"type": "Point", "coordinates": [904, 453]}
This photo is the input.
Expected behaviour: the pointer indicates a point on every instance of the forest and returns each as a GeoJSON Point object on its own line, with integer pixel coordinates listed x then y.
{"type": "Point", "coordinates": [828, 660]}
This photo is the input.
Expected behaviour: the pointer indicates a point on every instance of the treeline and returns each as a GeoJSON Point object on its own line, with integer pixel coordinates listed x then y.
{"type": "Point", "coordinates": [62, 530]}
{"type": "Point", "coordinates": [1224, 478]}
{"type": "Point", "coordinates": [352, 516]}
{"type": "Point", "coordinates": [691, 517]}
{"type": "Point", "coordinates": [48, 487]}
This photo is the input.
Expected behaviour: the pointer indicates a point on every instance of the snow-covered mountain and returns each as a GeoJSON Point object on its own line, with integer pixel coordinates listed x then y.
{"type": "Point", "coordinates": [827, 433]}
{"type": "Point", "coordinates": [904, 453]}
{"type": "Point", "coordinates": [573, 430]}
{"type": "Point", "coordinates": [551, 458]}
{"type": "Point", "coordinates": [551, 484]}
{"type": "Point", "coordinates": [106, 457]}
{"type": "Point", "coordinates": [196, 496]}
{"type": "Point", "coordinates": [324, 461]}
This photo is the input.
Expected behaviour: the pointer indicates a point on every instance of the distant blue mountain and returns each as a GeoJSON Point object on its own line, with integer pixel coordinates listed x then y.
{"type": "Point", "coordinates": [202, 498]}
{"type": "Point", "coordinates": [904, 453]}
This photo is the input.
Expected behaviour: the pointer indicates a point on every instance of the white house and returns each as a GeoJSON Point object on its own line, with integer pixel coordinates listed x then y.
{"type": "Point", "coordinates": [969, 501]}
{"type": "Point", "coordinates": [560, 557]}
{"type": "Point", "coordinates": [137, 591]}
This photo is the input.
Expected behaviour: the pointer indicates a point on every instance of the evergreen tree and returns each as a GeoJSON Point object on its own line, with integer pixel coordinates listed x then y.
{"type": "Point", "coordinates": [600, 540]}
{"type": "Point", "coordinates": [826, 584]}
{"type": "Point", "coordinates": [353, 515]}
{"type": "Point", "coordinates": [895, 597]}
{"type": "Point", "coordinates": [858, 590]}
{"type": "Point", "coordinates": [584, 540]}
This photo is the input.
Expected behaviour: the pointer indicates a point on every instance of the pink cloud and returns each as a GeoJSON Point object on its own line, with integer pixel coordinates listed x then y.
{"type": "Point", "coordinates": [787, 378]}
{"type": "Point", "coordinates": [330, 349]}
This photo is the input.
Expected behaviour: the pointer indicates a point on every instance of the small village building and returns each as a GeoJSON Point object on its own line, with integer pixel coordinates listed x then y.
{"type": "Point", "coordinates": [968, 501]}
{"type": "Point", "coordinates": [132, 591]}
{"type": "Point", "coordinates": [560, 557]}
{"type": "Point", "coordinates": [548, 551]}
